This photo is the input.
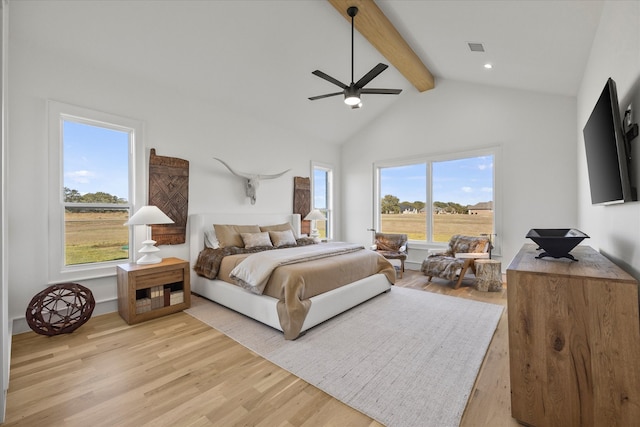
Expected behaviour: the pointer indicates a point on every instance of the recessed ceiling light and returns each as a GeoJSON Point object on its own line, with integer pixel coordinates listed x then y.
{"type": "Point", "coordinates": [488, 66]}
{"type": "Point", "coordinates": [476, 47]}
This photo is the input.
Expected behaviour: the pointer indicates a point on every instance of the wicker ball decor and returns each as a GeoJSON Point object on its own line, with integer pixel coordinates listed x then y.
{"type": "Point", "coordinates": [60, 309]}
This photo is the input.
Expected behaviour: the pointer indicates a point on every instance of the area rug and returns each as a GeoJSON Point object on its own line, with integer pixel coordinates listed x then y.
{"type": "Point", "coordinates": [404, 358]}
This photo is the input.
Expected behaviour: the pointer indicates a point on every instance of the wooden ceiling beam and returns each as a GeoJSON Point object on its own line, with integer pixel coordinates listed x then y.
{"type": "Point", "coordinates": [380, 32]}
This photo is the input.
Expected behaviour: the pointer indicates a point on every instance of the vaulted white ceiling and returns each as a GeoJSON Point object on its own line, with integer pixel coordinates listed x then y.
{"type": "Point", "coordinates": [257, 56]}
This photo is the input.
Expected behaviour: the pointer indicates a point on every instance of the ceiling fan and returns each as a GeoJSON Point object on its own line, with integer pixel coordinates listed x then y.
{"type": "Point", "coordinates": [353, 91]}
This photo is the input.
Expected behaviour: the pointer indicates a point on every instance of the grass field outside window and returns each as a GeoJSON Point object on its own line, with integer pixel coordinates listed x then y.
{"type": "Point", "coordinates": [444, 225]}
{"type": "Point", "coordinates": [96, 236]}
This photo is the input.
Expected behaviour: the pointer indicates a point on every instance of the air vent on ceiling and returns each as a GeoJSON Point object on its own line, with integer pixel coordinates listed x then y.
{"type": "Point", "coordinates": [476, 47]}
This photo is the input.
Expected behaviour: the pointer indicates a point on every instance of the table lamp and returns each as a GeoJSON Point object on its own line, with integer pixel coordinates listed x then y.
{"type": "Point", "coordinates": [148, 215]}
{"type": "Point", "coordinates": [313, 216]}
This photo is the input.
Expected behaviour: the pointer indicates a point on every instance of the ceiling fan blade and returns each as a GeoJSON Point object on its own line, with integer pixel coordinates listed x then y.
{"type": "Point", "coordinates": [313, 98]}
{"type": "Point", "coordinates": [382, 91]}
{"type": "Point", "coordinates": [329, 79]}
{"type": "Point", "coordinates": [371, 75]}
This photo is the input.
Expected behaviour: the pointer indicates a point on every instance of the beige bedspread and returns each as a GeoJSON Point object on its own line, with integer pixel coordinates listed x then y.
{"type": "Point", "coordinates": [254, 272]}
{"type": "Point", "coordinates": [294, 284]}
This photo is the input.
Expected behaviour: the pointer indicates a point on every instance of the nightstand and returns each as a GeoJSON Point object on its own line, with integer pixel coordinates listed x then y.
{"type": "Point", "coordinates": [147, 291]}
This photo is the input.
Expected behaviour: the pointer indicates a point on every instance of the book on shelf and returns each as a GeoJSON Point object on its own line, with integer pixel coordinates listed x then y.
{"type": "Point", "coordinates": [143, 305]}
{"type": "Point", "coordinates": [177, 297]}
{"type": "Point", "coordinates": [157, 297]}
{"type": "Point", "coordinates": [166, 294]}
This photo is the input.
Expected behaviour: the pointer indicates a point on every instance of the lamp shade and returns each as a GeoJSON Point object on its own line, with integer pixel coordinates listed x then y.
{"type": "Point", "coordinates": [149, 215]}
{"type": "Point", "coordinates": [315, 215]}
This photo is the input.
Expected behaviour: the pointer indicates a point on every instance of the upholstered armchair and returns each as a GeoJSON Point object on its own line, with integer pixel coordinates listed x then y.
{"type": "Point", "coordinates": [392, 246]}
{"type": "Point", "coordinates": [457, 259]}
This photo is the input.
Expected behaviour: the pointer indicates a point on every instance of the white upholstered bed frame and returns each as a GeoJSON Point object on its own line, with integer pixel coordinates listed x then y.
{"type": "Point", "coordinates": [262, 307]}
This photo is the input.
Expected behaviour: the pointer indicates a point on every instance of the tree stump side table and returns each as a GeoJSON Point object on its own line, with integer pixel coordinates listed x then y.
{"type": "Point", "coordinates": [489, 275]}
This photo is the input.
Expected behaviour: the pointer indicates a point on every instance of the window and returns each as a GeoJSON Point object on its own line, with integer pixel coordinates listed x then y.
{"type": "Point", "coordinates": [322, 190]}
{"type": "Point", "coordinates": [402, 204]}
{"type": "Point", "coordinates": [92, 190]}
{"type": "Point", "coordinates": [431, 199]}
{"type": "Point", "coordinates": [95, 163]}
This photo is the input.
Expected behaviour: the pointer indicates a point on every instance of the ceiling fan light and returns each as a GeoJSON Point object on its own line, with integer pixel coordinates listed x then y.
{"type": "Point", "coordinates": [351, 95]}
{"type": "Point", "coordinates": [355, 107]}
{"type": "Point", "coordinates": [352, 100]}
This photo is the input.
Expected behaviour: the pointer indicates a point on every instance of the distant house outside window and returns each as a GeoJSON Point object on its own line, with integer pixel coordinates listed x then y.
{"type": "Point", "coordinates": [431, 199]}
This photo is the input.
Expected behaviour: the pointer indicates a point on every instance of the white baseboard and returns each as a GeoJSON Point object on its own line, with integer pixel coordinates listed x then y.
{"type": "Point", "coordinates": [3, 405]}
{"type": "Point", "coordinates": [5, 382]}
{"type": "Point", "coordinates": [412, 265]}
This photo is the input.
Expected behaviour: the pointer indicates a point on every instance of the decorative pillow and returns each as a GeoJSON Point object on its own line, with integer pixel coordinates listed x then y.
{"type": "Point", "coordinates": [254, 240]}
{"type": "Point", "coordinates": [304, 241]}
{"type": "Point", "coordinates": [229, 235]}
{"type": "Point", "coordinates": [210, 239]}
{"type": "Point", "coordinates": [278, 227]}
{"type": "Point", "coordinates": [282, 238]}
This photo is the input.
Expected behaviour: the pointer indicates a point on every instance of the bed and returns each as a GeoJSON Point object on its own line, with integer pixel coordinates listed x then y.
{"type": "Point", "coordinates": [264, 308]}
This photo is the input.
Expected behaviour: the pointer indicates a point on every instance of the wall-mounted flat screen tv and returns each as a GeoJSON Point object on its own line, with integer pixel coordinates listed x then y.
{"type": "Point", "coordinates": [608, 158]}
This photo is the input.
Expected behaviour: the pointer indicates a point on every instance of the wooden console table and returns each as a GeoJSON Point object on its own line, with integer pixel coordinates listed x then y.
{"type": "Point", "coordinates": [574, 341]}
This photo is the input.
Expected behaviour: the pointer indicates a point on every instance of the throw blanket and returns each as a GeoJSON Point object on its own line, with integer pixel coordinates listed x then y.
{"type": "Point", "coordinates": [208, 262]}
{"type": "Point", "coordinates": [442, 266]}
{"type": "Point", "coordinates": [253, 273]}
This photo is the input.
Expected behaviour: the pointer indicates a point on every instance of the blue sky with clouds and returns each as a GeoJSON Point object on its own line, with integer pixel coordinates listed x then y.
{"type": "Point", "coordinates": [96, 159]}
{"type": "Point", "coordinates": [319, 189]}
{"type": "Point", "coordinates": [464, 181]}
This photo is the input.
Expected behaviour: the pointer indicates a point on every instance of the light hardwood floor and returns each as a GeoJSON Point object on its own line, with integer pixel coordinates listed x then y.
{"type": "Point", "coordinates": [177, 371]}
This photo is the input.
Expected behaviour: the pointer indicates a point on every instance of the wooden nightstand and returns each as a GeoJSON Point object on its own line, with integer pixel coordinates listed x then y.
{"type": "Point", "coordinates": [147, 291]}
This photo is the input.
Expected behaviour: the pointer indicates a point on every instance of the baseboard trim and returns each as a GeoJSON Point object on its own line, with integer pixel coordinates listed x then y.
{"type": "Point", "coordinates": [412, 265]}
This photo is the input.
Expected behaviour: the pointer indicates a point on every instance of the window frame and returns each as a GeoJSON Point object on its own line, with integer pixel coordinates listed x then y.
{"type": "Point", "coordinates": [58, 112]}
{"type": "Point", "coordinates": [428, 160]}
{"type": "Point", "coordinates": [328, 169]}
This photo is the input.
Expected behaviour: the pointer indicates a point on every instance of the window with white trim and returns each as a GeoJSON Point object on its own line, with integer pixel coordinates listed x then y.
{"type": "Point", "coordinates": [93, 160]}
{"type": "Point", "coordinates": [322, 197]}
{"type": "Point", "coordinates": [432, 198]}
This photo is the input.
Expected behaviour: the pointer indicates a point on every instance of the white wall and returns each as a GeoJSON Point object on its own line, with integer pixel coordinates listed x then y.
{"type": "Point", "coordinates": [5, 326]}
{"type": "Point", "coordinates": [536, 133]}
{"type": "Point", "coordinates": [614, 230]}
{"type": "Point", "coordinates": [176, 124]}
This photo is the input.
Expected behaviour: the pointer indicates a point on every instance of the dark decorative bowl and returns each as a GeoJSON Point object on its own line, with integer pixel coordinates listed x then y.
{"type": "Point", "coordinates": [556, 242]}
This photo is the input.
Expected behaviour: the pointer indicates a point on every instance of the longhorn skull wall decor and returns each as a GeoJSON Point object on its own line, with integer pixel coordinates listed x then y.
{"type": "Point", "coordinates": [251, 181]}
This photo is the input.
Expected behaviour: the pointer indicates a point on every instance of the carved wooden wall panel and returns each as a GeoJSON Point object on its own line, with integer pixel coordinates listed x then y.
{"type": "Point", "coordinates": [302, 200]}
{"type": "Point", "coordinates": [169, 190]}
